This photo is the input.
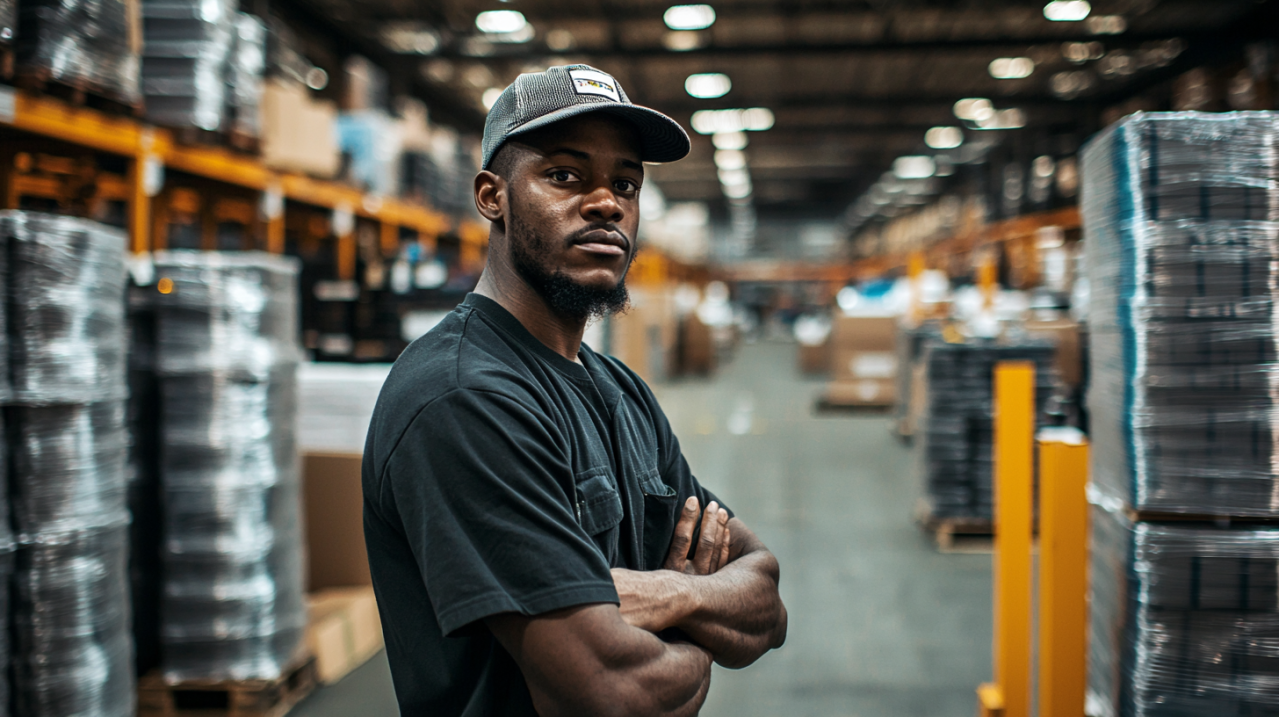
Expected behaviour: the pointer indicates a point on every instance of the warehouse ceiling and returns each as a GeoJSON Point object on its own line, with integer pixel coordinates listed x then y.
{"type": "Point", "coordinates": [852, 85]}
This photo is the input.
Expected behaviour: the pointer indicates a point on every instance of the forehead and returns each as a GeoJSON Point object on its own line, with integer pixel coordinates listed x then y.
{"type": "Point", "coordinates": [596, 132]}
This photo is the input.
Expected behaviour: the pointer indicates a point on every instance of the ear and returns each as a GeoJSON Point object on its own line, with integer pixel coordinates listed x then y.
{"type": "Point", "coordinates": [490, 195]}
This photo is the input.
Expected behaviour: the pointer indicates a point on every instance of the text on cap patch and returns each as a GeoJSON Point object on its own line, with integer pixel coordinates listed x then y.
{"type": "Point", "coordinates": [592, 82]}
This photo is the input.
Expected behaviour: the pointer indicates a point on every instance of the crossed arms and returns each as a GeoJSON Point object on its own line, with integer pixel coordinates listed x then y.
{"type": "Point", "coordinates": [605, 659]}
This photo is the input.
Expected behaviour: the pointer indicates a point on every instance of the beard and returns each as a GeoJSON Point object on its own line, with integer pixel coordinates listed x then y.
{"type": "Point", "coordinates": [565, 297]}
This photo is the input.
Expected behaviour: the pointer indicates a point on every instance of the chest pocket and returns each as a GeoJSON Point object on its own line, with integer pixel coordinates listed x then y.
{"type": "Point", "coordinates": [599, 507]}
{"type": "Point", "coordinates": [661, 512]}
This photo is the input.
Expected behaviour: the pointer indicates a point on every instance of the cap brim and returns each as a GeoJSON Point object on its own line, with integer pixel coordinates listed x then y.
{"type": "Point", "coordinates": [663, 139]}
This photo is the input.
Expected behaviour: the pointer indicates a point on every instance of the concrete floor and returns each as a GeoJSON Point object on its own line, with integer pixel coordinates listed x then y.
{"type": "Point", "coordinates": [881, 625]}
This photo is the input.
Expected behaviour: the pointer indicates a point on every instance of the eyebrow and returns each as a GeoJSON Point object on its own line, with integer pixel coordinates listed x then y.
{"type": "Point", "coordinates": [585, 157]}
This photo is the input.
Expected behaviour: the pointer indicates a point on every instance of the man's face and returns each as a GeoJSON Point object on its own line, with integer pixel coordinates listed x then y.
{"type": "Point", "coordinates": [574, 213]}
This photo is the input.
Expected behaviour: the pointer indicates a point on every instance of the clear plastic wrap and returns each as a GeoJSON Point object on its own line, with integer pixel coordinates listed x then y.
{"type": "Point", "coordinates": [1184, 619]}
{"type": "Point", "coordinates": [227, 357]}
{"type": "Point", "coordinates": [958, 424]}
{"type": "Point", "coordinates": [8, 21]}
{"type": "Point", "coordinates": [1181, 217]}
{"type": "Point", "coordinates": [83, 43]}
{"type": "Point", "coordinates": [71, 624]}
{"type": "Point", "coordinates": [68, 467]}
{"type": "Point", "coordinates": [245, 70]}
{"type": "Point", "coordinates": [185, 59]}
{"type": "Point", "coordinates": [66, 282]}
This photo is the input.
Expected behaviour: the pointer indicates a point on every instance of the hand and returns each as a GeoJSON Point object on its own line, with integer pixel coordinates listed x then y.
{"type": "Point", "coordinates": [712, 546]}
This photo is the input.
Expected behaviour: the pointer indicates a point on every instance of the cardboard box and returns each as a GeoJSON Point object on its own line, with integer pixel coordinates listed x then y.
{"type": "Point", "coordinates": [814, 359]}
{"type": "Point", "coordinates": [696, 347]}
{"type": "Point", "coordinates": [334, 502]}
{"type": "Point", "coordinates": [644, 338]}
{"type": "Point", "coordinates": [343, 631]}
{"type": "Point", "coordinates": [864, 392]}
{"type": "Point", "coordinates": [299, 134]}
{"type": "Point", "coordinates": [864, 333]}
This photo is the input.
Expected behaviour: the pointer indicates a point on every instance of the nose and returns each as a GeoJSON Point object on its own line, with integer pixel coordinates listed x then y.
{"type": "Point", "coordinates": [600, 205]}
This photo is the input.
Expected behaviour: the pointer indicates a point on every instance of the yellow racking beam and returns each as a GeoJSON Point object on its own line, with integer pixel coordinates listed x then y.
{"type": "Point", "coordinates": [87, 127]}
{"type": "Point", "coordinates": [1063, 581]}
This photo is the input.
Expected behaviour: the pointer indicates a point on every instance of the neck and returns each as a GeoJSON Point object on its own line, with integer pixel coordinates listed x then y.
{"type": "Point", "coordinates": [503, 284]}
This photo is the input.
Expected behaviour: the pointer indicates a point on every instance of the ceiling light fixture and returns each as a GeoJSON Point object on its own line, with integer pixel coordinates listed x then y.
{"type": "Point", "coordinates": [708, 85]}
{"type": "Point", "coordinates": [975, 109]}
{"type": "Point", "coordinates": [944, 137]}
{"type": "Point", "coordinates": [689, 17]}
{"type": "Point", "coordinates": [682, 40]}
{"type": "Point", "coordinates": [916, 166]}
{"type": "Point", "coordinates": [737, 191]}
{"type": "Point", "coordinates": [733, 177]}
{"type": "Point", "coordinates": [498, 22]}
{"type": "Point", "coordinates": [729, 140]}
{"type": "Point", "coordinates": [1067, 10]}
{"type": "Point", "coordinates": [755, 119]}
{"type": "Point", "coordinates": [489, 98]}
{"type": "Point", "coordinates": [1011, 68]}
{"type": "Point", "coordinates": [1011, 118]}
{"type": "Point", "coordinates": [1107, 24]}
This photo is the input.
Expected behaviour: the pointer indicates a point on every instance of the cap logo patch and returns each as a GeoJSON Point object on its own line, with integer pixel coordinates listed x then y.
{"type": "Point", "coordinates": [592, 82]}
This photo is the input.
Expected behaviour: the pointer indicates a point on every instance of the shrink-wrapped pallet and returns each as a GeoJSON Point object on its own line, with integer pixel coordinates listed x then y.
{"type": "Point", "coordinates": [87, 44]}
{"type": "Point", "coordinates": [1181, 217]}
{"type": "Point", "coordinates": [958, 423]}
{"type": "Point", "coordinates": [1185, 618]}
{"type": "Point", "coordinates": [246, 67]}
{"type": "Point", "coordinates": [227, 356]}
{"type": "Point", "coordinates": [185, 58]}
{"type": "Point", "coordinates": [67, 443]}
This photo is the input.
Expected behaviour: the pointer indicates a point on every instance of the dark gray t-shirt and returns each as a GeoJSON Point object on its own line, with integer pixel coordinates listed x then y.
{"type": "Point", "coordinates": [501, 477]}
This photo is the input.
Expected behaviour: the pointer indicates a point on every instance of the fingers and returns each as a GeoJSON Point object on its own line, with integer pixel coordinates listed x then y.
{"type": "Point", "coordinates": [726, 543]}
{"type": "Point", "coordinates": [677, 556]}
{"type": "Point", "coordinates": [708, 542]}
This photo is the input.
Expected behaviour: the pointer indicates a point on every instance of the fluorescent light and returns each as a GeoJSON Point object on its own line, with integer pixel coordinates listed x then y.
{"type": "Point", "coordinates": [730, 159]}
{"type": "Point", "coordinates": [729, 140]}
{"type": "Point", "coordinates": [733, 177]}
{"type": "Point", "coordinates": [410, 38]}
{"type": "Point", "coordinates": [560, 40]}
{"type": "Point", "coordinates": [737, 191]}
{"type": "Point", "coordinates": [1067, 10]}
{"type": "Point", "coordinates": [1011, 118]}
{"type": "Point", "coordinates": [916, 166]}
{"type": "Point", "coordinates": [490, 97]}
{"type": "Point", "coordinates": [708, 85]}
{"type": "Point", "coordinates": [500, 21]}
{"type": "Point", "coordinates": [1107, 24]}
{"type": "Point", "coordinates": [944, 137]}
{"type": "Point", "coordinates": [974, 108]}
{"type": "Point", "coordinates": [1011, 68]}
{"type": "Point", "coordinates": [755, 119]}
{"type": "Point", "coordinates": [689, 17]}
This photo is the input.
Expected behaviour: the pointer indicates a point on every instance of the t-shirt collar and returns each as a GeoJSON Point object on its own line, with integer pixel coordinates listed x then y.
{"type": "Point", "coordinates": [506, 321]}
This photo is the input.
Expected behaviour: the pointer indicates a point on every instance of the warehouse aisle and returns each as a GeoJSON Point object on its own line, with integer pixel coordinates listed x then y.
{"type": "Point", "coordinates": [881, 625]}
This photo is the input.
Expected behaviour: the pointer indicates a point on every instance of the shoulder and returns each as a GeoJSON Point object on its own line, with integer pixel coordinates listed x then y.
{"type": "Point", "coordinates": [627, 380]}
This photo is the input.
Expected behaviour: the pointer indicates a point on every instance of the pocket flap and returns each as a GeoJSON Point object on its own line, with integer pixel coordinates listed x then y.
{"type": "Point", "coordinates": [599, 507]}
{"type": "Point", "coordinates": [651, 484]}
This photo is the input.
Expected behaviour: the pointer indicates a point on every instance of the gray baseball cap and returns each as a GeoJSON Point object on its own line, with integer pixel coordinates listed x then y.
{"type": "Point", "coordinates": [537, 99]}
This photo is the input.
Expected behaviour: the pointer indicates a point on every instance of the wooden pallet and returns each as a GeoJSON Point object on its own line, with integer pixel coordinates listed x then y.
{"type": "Point", "coordinates": [1239, 521]}
{"type": "Point", "coordinates": [76, 91]}
{"type": "Point", "coordinates": [956, 535]}
{"type": "Point", "coordinates": [227, 698]}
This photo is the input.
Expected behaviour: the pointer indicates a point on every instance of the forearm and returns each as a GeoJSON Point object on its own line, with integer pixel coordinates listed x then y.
{"type": "Point", "coordinates": [737, 613]}
{"type": "Point", "coordinates": [672, 680]}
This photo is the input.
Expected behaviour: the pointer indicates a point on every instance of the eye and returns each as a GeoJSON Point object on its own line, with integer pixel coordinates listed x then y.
{"type": "Point", "coordinates": [562, 175]}
{"type": "Point", "coordinates": [626, 186]}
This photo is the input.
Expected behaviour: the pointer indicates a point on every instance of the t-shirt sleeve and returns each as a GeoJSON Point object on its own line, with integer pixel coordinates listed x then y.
{"type": "Point", "coordinates": [482, 485]}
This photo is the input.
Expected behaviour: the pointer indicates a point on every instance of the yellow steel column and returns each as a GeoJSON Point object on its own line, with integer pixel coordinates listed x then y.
{"type": "Point", "coordinates": [1009, 695]}
{"type": "Point", "coordinates": [1063, 581]}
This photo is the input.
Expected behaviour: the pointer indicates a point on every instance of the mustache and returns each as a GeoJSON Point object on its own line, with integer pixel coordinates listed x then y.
{"type": "Point", "coordinates": [605, 226]}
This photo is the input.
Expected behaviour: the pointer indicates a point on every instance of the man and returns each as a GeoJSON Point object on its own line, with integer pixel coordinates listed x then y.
{"type": "Point", "coordinates": [528, 514]}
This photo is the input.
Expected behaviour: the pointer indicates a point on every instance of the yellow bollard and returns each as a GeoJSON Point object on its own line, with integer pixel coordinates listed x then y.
{"type": "Point", "coordinates": [1009, 694]}
{"type": "Point", "coordinates": [1063, 576]}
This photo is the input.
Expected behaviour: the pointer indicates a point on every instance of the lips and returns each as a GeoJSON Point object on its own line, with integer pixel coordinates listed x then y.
{"type": "Point", "coordinates": [603, 242]}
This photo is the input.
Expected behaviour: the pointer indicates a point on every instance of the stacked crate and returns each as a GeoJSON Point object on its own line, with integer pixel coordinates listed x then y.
{"type": "Point", "coordinates": [1180, 215]}
{"type": "Point", "coordinates": [89, 46]}
{"type": "Point", "coordinates": [958, 424]}
{"type": "Point", "coordinates": [227, 356]}
{"type": "Point", "coordinates": [67, 443]}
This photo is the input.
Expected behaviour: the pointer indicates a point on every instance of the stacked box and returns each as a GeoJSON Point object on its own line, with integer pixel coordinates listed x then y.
{"type": "Point", "coordinates": [1180, 214]}
{"type": "Point", "coordinates": [88, 45]}
{"type": "Point", "coordinates": [227, 356]}
{"type": "Point", "coordinates": [1185, 619]}
{"type": "Point", "coordinates": [145, 532]}
{"type": "Point", "coordinates": [958, 424]}
{"type": "Point", "coordinates": [185, 60]}
{"type": "Point", "coordinates": [67, 442]}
